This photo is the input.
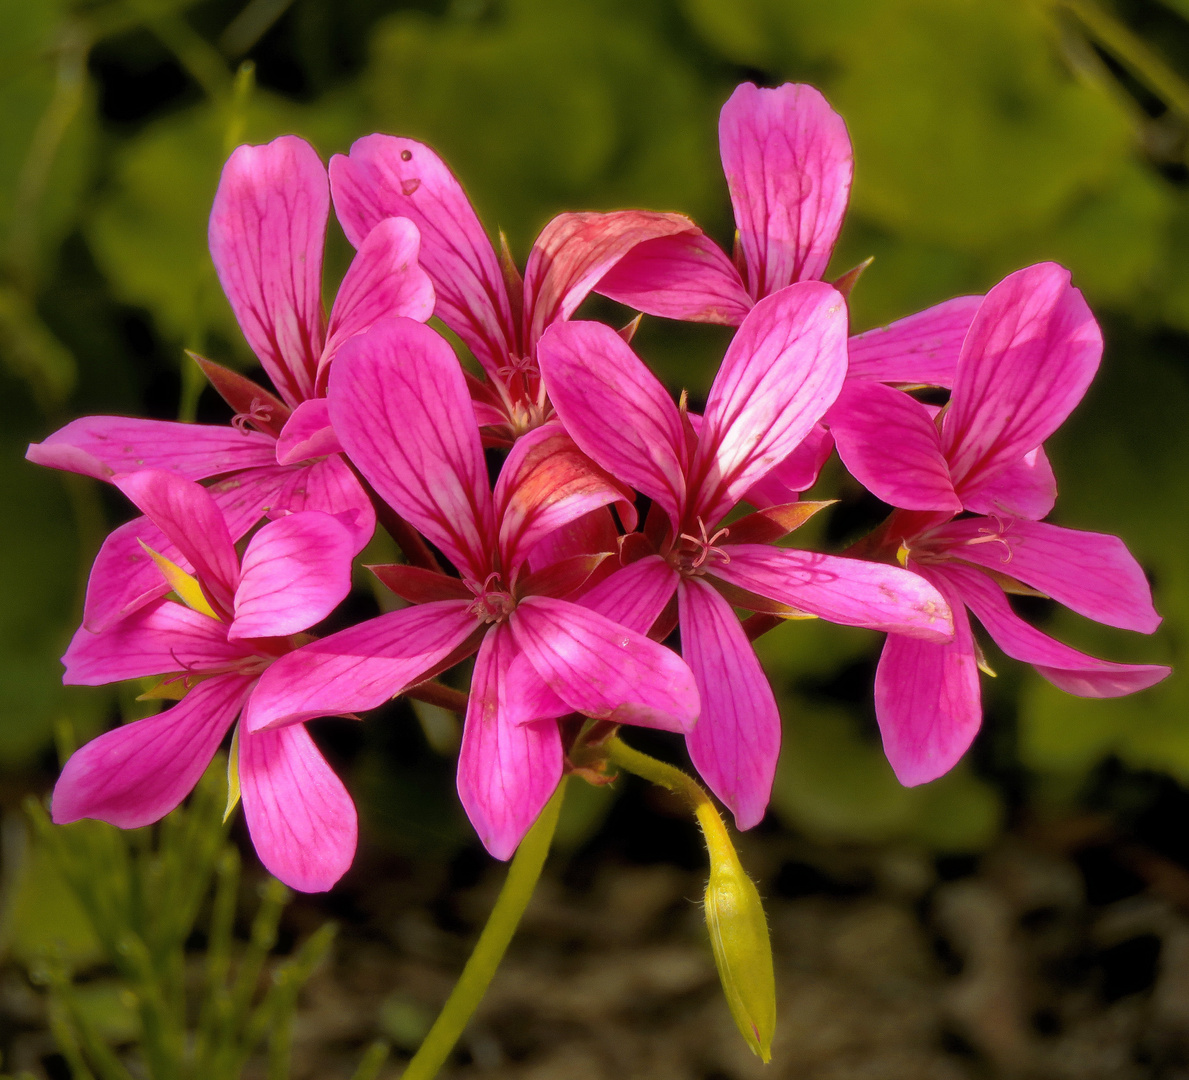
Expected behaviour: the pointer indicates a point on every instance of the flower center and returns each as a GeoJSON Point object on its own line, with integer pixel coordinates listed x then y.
{"type": "Point", "coordinates": [693, 554]}
{"type": "Point", "coordinates": [493, 603]}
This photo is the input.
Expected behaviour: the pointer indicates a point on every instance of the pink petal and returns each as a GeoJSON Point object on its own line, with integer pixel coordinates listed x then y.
{"type": "Point", "coordinates": [138, 773]}
{"type": "Point", "coordinates": [575, 250]}
{"type": "Point", "coordinates": [301, 819]}
{"type": "Point", "coordinates": [1091, 573]}
{"type": "Point", "coordinates": [361, 667]}
{"type": "Point", "coordinates": [615, 409]}
{"type": "Point", "coordinates": [679, 277]}
{"type": "Point", "coordinates": [890, 444]}
{"type": "Point", "coordinates": [1026, 489]}
{"type": "Point", "coordinates": [328, 485]}
{"type": "Point", "coordinates": [296, 571]}
{"type": "Point", "coordinates": [267, 231]}
{"type": "Point", "coordinates": [384, 279]}
{"type": "Point", "coordinates": [602, 669]}
{"type": "Point", "coordinates": [589, 534]}
{"type": "Point", "coordinates": [547, 482]}
{"type": "Point", "coordinates": [635, 595]}
{"type": "Point", "coordinates": [159, 638]}
{"type": "Point", "coordinates": [390, 177]}
{"type": "Point", "coordinates": [400, 405]}
{"type": "Point", "coordinates": [848, 591]}
{"type": "Point", "coordinates": [787, 158]}
{"type": "Point", "coordinates": [307, 434]}
{"type": "Point", "coordinates": [736, 741]}
{"type": "Point", "coordinates": [101, 446]}
{"type": "Point", "coordinates": [798, 472]}
{"type": "Point", "coordinates": [186, 513]}
{"type": "Point", "coordinates": [922, 348]}
{"type": "Point", "coordinates": [927, 698]}
{"type": "Point", "coordinates": [506, 771]}
{"type": "Point", "coordinates": [1072, 671]}
{"type": "Point", "coordinates": [783, 369]}
{"type": "Point", "coordinates": [1031, 352]}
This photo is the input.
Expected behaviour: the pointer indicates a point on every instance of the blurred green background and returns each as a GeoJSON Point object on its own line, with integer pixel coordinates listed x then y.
{"type": "Point", "coordinates": [987, 133]}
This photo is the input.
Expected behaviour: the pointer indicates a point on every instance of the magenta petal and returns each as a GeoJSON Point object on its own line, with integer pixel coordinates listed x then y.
{"type": "Point", "coordinates": [890, 444]}
{"type": "Point", "coordinates": [328, 485]}
{"type": "Point", "coordinates": [922, 348]}
{"type": "Point", "coordinates": [1072, 671]}
{"type": "Point", "coordinates": [783, 369]}
{"type": "Point", "coordinates": [635, 595]}
{"type": "Point", "coordinates": [848, 591]}
{"type": "Point", "coordinates": [267, 231]}
{"type": "Point", "coordinates": [390, 177]}
{"type": "Point", "coordinates": [307, 434]}
{"type": "Point", "coordinates": [798, 472]}
{"type": "Point", "coordinates": [1027, 489]}
{"type": "Point", "coordinates": [383, 280]}
{"type": "Point", "coordinates": [679, 277]}
{"type": "Point", "coordinates": [101, 446]}
{"type": "Point", "coordinates": [1031, 352]}
{"type": "Point", "coordinates": [301, 819]}
{"type": "Point", "coordinates": [400, 405]}
{"type": "Point", "coordinates": [136, 774]}
{"type": "Point", "coordinates": [527, 696]}
{"type": "Point", "coordinates": [360, 667]}
{"type": "Point", "coordinates": [1090, 573]}
{"type": "Point", "coordinates": [927, 698]}
{"type": "Point", "coordinates": [159, 638]}
{"type": "Point", "coordinates": [615, 409]}
{"type": "Point", "coordinates": [588, 534]}
{"type": "Point", "coordinates": [787, 158]}
{"type": "Point", "coordinates": [186, 513]}
{"type": "Point", "coordinates": [602, 669]}
{"type": "Point", "coordinates": [506, 771]}
{"type": "Point", "coordinates": [296, 571]}
{"type": "Point", "coordinates": [736, 741]}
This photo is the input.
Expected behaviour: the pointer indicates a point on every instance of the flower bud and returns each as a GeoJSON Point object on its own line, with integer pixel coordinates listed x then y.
{"type": "Point", "coordinates": [739, 936]}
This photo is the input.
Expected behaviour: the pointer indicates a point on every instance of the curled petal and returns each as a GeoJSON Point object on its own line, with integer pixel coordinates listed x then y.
{"type": "Point", "coordinates": [328, 485]}
{"type": "Point", "coordinates": [922, 348]}
{"type": "Point", "coordinates": [798, 472]}
{"type": "Point", "coordinates": [307, 434]}
{"type": "Point", "coordinates": [1026, 489]}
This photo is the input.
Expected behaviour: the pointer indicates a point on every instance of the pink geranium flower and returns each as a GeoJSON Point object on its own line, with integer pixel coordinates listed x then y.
{"type": "Point", "coordinates": [782, 370]}
{"type": "Point", "coordinates": [402, 410]}
{"type": "Point", "coordinates": [480, 295]}
{"type": "Point", "coordinates": [1031, 353]}
{"type": "Point", "coordinates": [267, 232]}
{"type": "Point", "coordinates": [237, 619]}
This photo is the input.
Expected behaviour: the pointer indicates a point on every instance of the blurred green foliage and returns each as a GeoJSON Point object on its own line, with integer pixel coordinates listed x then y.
{"type": "Point", "coordinates": [987, 134]}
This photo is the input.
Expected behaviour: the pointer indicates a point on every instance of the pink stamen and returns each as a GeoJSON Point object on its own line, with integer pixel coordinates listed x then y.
{"type": "Point", "coordinates": [259, 413]}
{"type": "Point", "coordinates": [995, 536]}
{"type": "Point", "coordinates": [493, 603]}
{"type": "Point", "coordinates": [704, 546]}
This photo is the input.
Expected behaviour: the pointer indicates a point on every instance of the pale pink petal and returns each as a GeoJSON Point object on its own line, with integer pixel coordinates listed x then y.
{"type": "Point", "coordinates": [890, 444]}
{"type": "Point", "coordinates": [301, 819]}
{"type": "Point", "coordinates": [160, 638]}
{"type": "Point", "coordinates": [328, 485]}
{"type": "Point", "coordinates": [922, 348]}
{"type": "Point", "coordinates": [138, 773]}
{"type": "Point", "coordinates": [361, 667]}
{"type": "Point", "coordinates": [390, 177]}
{"type": "Point", "coordinates": [1090, 573]}
{"type": "Point", "coordinates": [798, 472]}
{"type": "Point", "coordinates": [267, 231]}
{"type": "Point", "coordinates": [101, 446]}
{"type": "Point", "coordinates": [853, 592]}
{"type": "Point", "coordinates": [575, 250]}
{"type": "Point", "coordinates": [635, 595]}
{"type": "Point", "coordinates": [787, 158]}
{"type": "Point", "coordinates": [295, 572]}
{"type": "Point", "coordinates": [384, 279]}
{"type": "Point", "coordinates": [601, 668]}
{"type": "Point", "coordinates": [679, 277]}
{"type": "Point", "coordinates": [615, 409]}
{"type": "Point", "coordinates": [400, 405]}
{"type": "Point", "coordinates": [1072, 671]}
{"type": "Point", "coordinates": [927, 698]}
{"type": "Point", "coordinates": [783, 369]}
{"type": "Point", "coordinates": [736, 741]}
{"type": "Point", "coordinates": [1026, 489]}
{"type": "Point", "coordinates": [506, 771]}
{"type": "Point", "coordinates": [1031, 352]}
{"type": "Point", "coordinates": [546, 482]}
{"type": "Point", "coordinates": [186, 513]}
{"type": "Point", "coordinates": [307, 434]}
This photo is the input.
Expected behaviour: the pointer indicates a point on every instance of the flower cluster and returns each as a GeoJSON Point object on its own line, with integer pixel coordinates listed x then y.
{"type": "Point", "coordinates": [565, 587]}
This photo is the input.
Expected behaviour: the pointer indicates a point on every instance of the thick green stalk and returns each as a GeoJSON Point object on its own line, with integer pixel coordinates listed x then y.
{"type": "Point", "coordinates": [464, 999]}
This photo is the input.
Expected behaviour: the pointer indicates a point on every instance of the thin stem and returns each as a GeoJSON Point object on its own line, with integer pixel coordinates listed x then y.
{"type": "Point", "coordinates": [492, 944]}
{"type": "Point", "coordinates": [434, 693]}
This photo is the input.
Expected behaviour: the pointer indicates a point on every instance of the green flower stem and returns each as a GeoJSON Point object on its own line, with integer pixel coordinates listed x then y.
{"type": "Point", "coordinates": [464, 999]}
